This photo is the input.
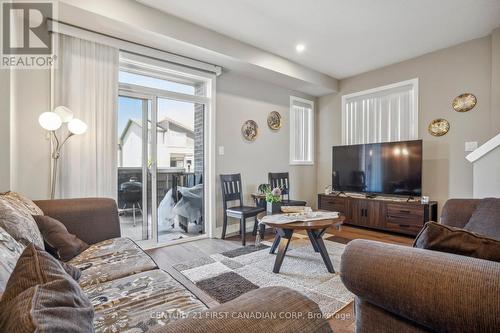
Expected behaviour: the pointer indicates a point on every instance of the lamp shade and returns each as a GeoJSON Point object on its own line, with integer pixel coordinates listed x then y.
{"type": "Point", "coordinates": [76, 126]}
{"type": "Point", "coordinates": [50, 121]}
{"type": "Point", "coordinates": [65, 113]}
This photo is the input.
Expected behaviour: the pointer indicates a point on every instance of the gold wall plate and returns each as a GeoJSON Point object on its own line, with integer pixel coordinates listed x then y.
{"type": "Point", "coordinates": [439, 127]}
{"type": "Point", "coordinates": [250, 130]}
{"type": "Point", "coordinates": [464, 102]}
{"type": "Point", "coordinates": [274, 120]}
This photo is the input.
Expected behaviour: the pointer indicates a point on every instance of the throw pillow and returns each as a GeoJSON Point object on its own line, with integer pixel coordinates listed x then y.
{"type": "Point", "coordinates": [439, 237]}
{"type": "Point", "coordinates": [10, 251]}
{"type": "Point", "coordinates": [55, 234]}
{"type": "Point", "coordinates": [486, 218]}
{"type": "Point", "coordinates": [22, 203]}
{"type": "Point", "coordinates": [21, 226]}
{"type": "Point", "coordinates": [41, 297]}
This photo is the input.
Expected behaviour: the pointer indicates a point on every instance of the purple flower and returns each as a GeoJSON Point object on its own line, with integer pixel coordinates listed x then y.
{"type": "Point", "coordinates": [276, 192]}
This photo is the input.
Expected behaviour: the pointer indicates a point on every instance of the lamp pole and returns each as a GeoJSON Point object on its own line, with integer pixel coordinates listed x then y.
{"type": "Point", "coordinates": [56, 153]}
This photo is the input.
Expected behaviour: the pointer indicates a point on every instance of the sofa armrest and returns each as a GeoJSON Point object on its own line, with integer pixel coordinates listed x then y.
{"type": "Point", "coordinates": [90, 219]}
{"type": "Point", "coordinates": [441, 291]}
{"type": "Point", "coordinates": [271, 309]}
{"type": "Point", "coordinates": [457, 212]}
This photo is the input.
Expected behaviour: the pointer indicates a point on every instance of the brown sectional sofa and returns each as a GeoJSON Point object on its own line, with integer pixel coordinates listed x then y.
{"type": "Point", "coordinates": [405, 289]}
{"type": "Point", "coordinates": [130, 293]}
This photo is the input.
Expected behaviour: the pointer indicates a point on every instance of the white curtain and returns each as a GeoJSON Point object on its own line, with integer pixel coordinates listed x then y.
{"type": "Point", "coordinates": [86, 81]}
{"type": "Point", "coordinates": [388, 115]}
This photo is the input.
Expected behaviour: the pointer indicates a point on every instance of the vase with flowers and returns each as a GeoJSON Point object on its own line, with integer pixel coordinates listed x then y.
{"type": "Point", "coordinates": [273, 200]}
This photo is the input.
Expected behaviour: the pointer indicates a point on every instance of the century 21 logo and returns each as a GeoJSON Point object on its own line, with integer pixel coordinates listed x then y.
{"type": "Point", "coordinates": [25, 28]}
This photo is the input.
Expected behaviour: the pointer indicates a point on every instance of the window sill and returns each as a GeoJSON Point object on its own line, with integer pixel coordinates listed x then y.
{"type": "Point", "coordinates": [301, 163]}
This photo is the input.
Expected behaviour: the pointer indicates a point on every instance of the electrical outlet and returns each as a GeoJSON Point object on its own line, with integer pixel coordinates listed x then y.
{"type": "Point", "coordinates": [470, 145]}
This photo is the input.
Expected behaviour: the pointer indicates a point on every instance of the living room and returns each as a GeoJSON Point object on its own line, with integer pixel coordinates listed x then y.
{"type": "Point", "coordinates": [189, 166]}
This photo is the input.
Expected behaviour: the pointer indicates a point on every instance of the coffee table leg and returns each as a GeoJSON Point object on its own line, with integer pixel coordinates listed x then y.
{"type": "Point", "coordinates": [313, 240]}
{"type": "Point", "coordinates": [275, 243]}
{"type": "Point", "coordinates": [322, 249]}
{"type": "Point", "coordinates": [285, 236]}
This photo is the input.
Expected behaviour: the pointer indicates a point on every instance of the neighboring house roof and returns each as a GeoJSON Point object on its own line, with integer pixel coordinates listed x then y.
{"type": "Point", "coordinates": [163, 125]}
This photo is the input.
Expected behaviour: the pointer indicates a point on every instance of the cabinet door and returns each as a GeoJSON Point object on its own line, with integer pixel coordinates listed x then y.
{"type": "Point", "coordinates": [358, 210]}
{"type": "Point", "coordinates": [335, 204]}
{"type": "Point", "coordinates": [373, 214]}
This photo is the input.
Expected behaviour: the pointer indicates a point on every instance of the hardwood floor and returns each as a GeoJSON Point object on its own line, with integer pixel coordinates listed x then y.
{"type": "Point", "coordinates": [342, 322]}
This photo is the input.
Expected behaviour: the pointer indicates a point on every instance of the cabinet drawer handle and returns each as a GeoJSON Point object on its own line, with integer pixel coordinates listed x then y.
{"type": "Point", "coordinates": [397, 217]}
{"type": "Point", "coordinates": [405, 211]}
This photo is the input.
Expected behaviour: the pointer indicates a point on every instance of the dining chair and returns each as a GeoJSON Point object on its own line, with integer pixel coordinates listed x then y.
{"type": "Point", "coordinates": [232, 191]}
{"type": "Point", "coordinates": [282, 180]}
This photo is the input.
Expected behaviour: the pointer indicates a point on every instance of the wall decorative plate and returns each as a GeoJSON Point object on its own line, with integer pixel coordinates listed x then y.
{"type": "Point", "coordinates": [464, 102]}
{"type": "Point", "coordinates": [250, 130]}
{"type": "Point", "coordinates": [274, 120]}
{"type": "Point", "coordinates": [439, 127]}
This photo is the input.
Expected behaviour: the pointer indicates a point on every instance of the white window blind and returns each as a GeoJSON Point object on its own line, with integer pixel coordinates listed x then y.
{"type": "Point", "coordinates": [301, 131]}
{"type": "Point", "coordinates": [388, 113]}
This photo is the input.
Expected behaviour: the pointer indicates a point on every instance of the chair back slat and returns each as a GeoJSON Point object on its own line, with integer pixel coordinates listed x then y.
{"type": "Point", "coordinates": [281, 180]}
{"type": "Point", "coordinates": [231, 188]}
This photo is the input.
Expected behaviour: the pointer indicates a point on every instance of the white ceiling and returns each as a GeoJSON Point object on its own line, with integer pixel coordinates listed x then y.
{"type": "Point", "coordinates": [342, 37]}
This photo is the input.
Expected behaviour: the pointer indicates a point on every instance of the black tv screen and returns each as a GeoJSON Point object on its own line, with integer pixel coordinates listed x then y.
{"type": "Point", "coordinates": [393, 168]}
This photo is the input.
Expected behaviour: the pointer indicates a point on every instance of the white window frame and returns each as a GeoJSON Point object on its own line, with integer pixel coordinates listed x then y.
{"type": "Point", "coordinates": [412, 82]}
{"type": "Point", "coordinates": [168, 71]}
{"type": "Point", "coordinates": [310, 160]}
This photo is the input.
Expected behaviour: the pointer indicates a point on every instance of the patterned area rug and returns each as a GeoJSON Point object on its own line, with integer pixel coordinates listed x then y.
{"type": "Point", "coordinates": [225, 276]}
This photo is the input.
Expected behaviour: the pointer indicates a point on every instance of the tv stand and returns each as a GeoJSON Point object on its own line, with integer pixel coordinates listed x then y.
{"type": "Point", "coordinates": [381, 213]}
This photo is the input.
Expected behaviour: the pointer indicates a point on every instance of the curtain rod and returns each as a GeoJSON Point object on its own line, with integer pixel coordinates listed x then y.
{"type": "Point", "coordinates": [132, 47]}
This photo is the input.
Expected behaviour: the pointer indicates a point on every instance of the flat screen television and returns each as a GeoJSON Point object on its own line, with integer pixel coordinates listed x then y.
{"type": "Point", "coordinates": [391, 168]}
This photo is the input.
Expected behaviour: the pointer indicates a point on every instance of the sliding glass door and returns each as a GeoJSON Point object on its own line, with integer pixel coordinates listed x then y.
{"type": "Point", "coordinates": [161, 158]}
{"type": "Point", "coordinates": [134, 176]}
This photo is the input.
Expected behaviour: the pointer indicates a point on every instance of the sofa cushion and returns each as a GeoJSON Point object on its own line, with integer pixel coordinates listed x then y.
{"type": "Point", "coordinates": [72, 271]}
{"type": "Point", "coordinates": [486, 218]}
{"type": "Point", "coordinates": [10, 251]}
{"type": "Point", "coordinates": [439, 237]}
{"type": "Point", "coordinates": [111, 259]}
{"type": "Point", "coordinates": [19, 224]}
{"type": "Point", "coordinates": [41, 297]}
{"type": "Point", "coordinates": [57, 237]}
{"type": "Point", "coordinates": [22, 203]}
{"type": "Point", "coordinates": [140, 302]}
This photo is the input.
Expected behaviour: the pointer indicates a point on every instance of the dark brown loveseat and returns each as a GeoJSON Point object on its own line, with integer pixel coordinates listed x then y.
{"type": "Point", "coordinates": [128, 291]}
{"type": "Point", "coordinates": [405, 289]}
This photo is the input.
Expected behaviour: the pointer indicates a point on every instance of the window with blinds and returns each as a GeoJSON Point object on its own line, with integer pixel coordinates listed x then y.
{"type": "Point", "coordinates": [388, 113]}
{"type": "Point", "coordinates": [301, 131]}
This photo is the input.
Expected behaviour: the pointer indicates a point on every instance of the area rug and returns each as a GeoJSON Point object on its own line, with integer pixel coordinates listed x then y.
{"type": "Point", "coordinates": [225, 276]}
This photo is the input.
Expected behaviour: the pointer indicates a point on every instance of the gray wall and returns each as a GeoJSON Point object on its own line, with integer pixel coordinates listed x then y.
{"type": "Point", "coordinates": [495, 80]}
{"type": "Point", "coordinates": [487, 181]}
{"type": "Point", "coordinates": [5, 130]}
{"type": "Point", "coordinates": [442, 76]}
{"type": "Point", "coordinates": [239, 99]}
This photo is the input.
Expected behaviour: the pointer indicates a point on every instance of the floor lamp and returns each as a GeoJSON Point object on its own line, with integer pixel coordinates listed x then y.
{"type": "Point", "coordinates": [52, 121]}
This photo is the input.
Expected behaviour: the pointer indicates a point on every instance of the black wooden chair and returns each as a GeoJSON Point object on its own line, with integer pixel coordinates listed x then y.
{"type": "Point", "coordinates": [281, 180]}
{"type": "Point", "coordinates": [232, 191]}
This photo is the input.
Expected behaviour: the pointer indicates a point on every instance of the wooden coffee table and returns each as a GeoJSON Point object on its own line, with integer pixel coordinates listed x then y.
{"type": "Point", "coordinates": [315, 230]}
